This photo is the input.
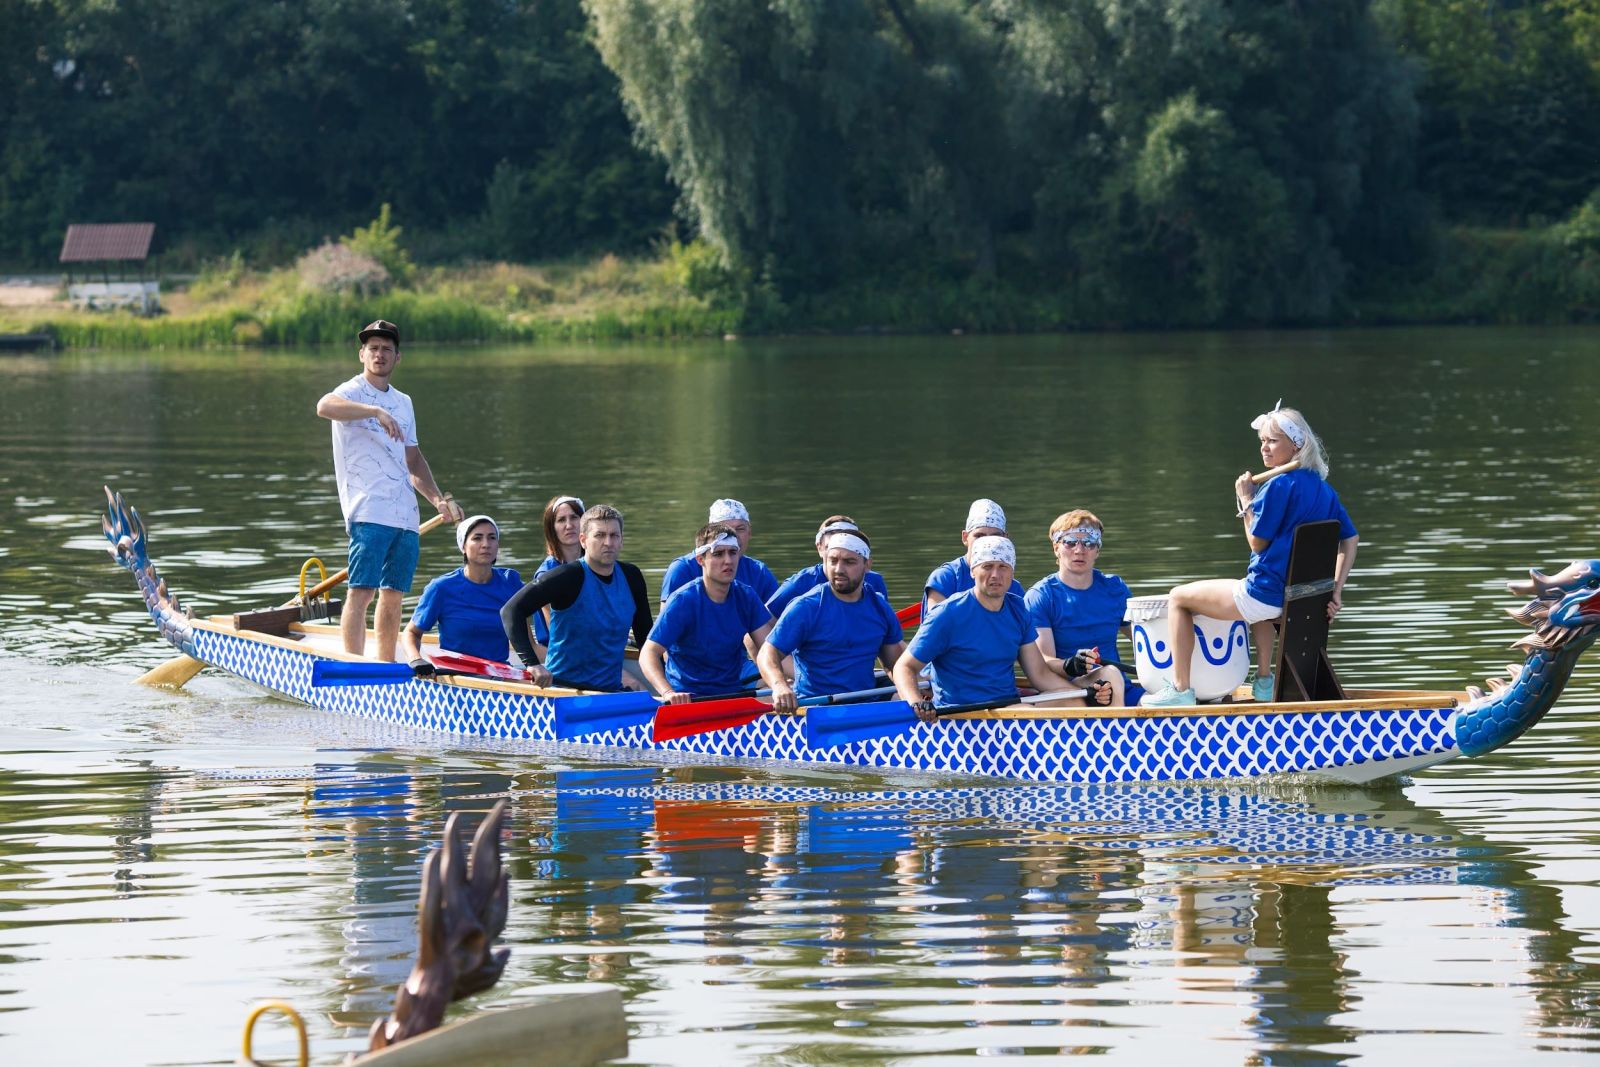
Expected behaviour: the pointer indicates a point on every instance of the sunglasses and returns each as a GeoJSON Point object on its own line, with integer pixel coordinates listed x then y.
{"type": "Point", "coordinates": [1078, 542]}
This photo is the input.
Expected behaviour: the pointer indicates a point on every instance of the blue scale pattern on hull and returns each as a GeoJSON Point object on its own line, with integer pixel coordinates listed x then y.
{"type": "Point", "coordinates": [1143, 749]}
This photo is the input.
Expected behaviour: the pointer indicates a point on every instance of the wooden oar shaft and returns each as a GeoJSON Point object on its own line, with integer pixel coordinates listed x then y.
{"type": "Point", "coordinates": [1268, 475]}
{"type": "Point", "coordinates": [337, 579]}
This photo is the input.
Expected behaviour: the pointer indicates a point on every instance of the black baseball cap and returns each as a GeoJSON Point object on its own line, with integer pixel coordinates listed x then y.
{"type": "Point", "coordinates": [381, 326]}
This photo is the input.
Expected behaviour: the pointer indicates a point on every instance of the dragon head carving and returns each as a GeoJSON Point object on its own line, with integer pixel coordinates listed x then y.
{"type": "Point", "coordinates": [1565, 606]}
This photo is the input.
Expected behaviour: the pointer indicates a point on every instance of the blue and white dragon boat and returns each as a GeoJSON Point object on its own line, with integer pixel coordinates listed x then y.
{"type": "Point", "coordinates": [1370, 735]}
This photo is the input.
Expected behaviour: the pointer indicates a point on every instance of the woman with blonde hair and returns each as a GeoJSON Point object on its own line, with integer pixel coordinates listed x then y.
{"type": "Point", "coordinates": [1271, 512]}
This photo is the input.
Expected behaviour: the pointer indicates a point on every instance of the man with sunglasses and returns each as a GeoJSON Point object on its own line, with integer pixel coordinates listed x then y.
{"type": "Point", "coordinates": [1079, 611]}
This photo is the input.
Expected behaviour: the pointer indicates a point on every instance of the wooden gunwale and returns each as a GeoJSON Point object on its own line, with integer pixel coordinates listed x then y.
{"type": "Point", "coordinates": [1362, 700]}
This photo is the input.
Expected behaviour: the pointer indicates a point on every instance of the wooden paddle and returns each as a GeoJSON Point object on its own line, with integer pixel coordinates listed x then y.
{"type": "Point", "coordinates": [176, 672]}
{"type": "Point", "coordinates": [685, 720]}
{"type": "Point", "coordinates": [1268, 475]}
{"type": "Point", "coordinates": [830, 727]}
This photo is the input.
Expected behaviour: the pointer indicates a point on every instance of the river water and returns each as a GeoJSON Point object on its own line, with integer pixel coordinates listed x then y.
{"type": "Point", "coordinates": [169, 858]}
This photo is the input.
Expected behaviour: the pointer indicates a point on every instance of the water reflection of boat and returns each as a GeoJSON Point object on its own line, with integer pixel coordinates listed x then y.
{"type": "Point", "coordinates": [1375, 734]}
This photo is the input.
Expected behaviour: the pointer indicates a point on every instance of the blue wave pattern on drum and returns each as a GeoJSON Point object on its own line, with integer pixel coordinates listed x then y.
{"type": "Point", "coordinates": [1238, 634]}
{"type": "Point", "coordinates": [1056, 749]}
{"type": "Point", "coordinates": [1153, 649]}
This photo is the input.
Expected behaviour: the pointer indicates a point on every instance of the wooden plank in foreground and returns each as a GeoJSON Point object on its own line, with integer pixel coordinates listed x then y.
{"type": "Point", "coordinates": [564, 1028]}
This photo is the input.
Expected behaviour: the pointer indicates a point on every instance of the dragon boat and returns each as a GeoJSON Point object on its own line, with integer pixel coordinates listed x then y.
{"type": "Point", "coordinates": [1364, 736]}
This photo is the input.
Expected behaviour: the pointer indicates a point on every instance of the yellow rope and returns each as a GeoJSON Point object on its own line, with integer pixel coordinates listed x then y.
{"type": "Point", "coordinates": [293, 1016]}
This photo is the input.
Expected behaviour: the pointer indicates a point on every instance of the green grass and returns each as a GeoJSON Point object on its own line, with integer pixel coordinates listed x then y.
{"type": "Point", "coordinates": [1549, 275]}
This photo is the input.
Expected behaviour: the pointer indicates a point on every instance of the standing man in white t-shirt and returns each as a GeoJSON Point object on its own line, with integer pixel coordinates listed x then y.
{"type": "Point", "coordinates": [380, 470]}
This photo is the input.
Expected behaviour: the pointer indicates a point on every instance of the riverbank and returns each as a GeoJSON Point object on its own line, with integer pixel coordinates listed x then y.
{"type": "Point", "coordinates": [1544, 276]}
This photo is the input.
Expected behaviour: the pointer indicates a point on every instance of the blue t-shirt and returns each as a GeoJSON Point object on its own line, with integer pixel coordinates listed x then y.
{"type": "Point", "coordinates": [468, 614]}
{"type": "Point", "coordinates": [802, 582]}
{"type": "Point", "coordinates": [705, 640]}
{"type": "Point", "coordinates": [1080, 618]}
{"type": "Point", "coordinates": [541, 628]}
{"type": "Point", "coordinates": [752, 572]}
{"type": "Point", "coordinates": [954, 577]}
{"type": "Point", "coordinates": [833, 641]}
{"type": "Point", "coordinates": [973, 650]}
{"type": "Point", "coordinates": [1288, 501]}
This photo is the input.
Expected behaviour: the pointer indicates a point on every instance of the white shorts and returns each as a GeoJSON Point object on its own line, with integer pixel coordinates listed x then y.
{"type": "Point", "coordinates": [1251, 609]}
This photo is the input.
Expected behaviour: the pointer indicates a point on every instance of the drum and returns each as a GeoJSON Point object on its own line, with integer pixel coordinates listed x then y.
{"type": "Point", "coordinates": [1221, 650]}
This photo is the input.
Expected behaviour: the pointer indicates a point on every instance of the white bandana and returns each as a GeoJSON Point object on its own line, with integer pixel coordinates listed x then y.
{"type": "Point", "coordinates": [850, 543]}
{"type": "Point", "coordinates": [984, 513]}
{"type": "Point", "coordinates": [1081, 533]}
{"type": "Point", "coordinates": [836, 527]}
{"type": "Point", "coordinates": [568, 500]}
{"type": "Point", "coordinates": [1292, 429]}
{"type": "Point", "coordinates": [464, 527]}
{"type": "Point", "coordinates": [992, 549]}
{"type": "Point", "coordinates": [728, 511]}
{"type": "Point", "coordinates": [722, 541]}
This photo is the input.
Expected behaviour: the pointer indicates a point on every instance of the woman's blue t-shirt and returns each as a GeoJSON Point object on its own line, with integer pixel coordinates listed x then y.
{"type": "Point", "coordinates": [1287, 501]}
{"type": "Point", "coordinates": [468, 614]}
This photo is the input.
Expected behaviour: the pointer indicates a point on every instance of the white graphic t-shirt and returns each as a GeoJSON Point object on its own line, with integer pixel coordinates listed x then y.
{"type": "Point", "coordinates": [369, 465]}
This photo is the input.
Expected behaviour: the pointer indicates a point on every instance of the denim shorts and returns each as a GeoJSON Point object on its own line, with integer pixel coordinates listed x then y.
{"type": "Point", "coordinates": [382, 557]}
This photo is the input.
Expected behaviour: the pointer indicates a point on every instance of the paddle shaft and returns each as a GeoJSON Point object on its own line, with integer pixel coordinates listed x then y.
{"type": "Point", "coordinates": [1006, 702]}
{"type": "Point", "coordinates": [1268, 475]}
{"type": "Point", "coordinates": [337, 579]}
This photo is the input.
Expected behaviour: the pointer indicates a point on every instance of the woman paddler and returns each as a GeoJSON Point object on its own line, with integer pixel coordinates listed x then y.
{"type": "Point", "coordinates": [1271, 512]}
{"type": "Point", "coordinates": [465, 604]}
{"type": "Point", "coordinates": [562, 517]}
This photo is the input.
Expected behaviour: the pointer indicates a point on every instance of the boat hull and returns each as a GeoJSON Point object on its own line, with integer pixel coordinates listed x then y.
{"type": "Point", "coordinates": [1356, 742]}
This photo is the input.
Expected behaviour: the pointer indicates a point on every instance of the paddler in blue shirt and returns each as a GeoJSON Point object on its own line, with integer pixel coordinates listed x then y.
{"type": "Point", "coordinates": [1078, 610]}
{"type": "Point", "coordinates": [803, 581]}
{"type": "Point", "coordinates": [752, 572]}
{"type": "Point", "coordinates": [985, 518]}
{"type": "Point", "coordinates": [976, 639]}
{"type": "Point", "coordinates": [834, 631]}
{"type": "Point", "coordinates": [465, 604]}
{"type": "Point", "coordinates": [697, 646]}
{"type": "Point", "coordinates": [593, 603]}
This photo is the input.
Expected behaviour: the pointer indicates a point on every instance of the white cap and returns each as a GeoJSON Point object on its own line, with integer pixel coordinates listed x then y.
{"type": "Point", "coordinates": [728, 510]}
{"type": "Point", "coordinates": [984, 513]}
{"type": "Point", "coordinates": [992, 548]}
{"type": "Point", "coordinates": [464, 527]}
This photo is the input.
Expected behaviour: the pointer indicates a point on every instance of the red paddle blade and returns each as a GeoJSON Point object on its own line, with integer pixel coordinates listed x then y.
{"type": "Point", "coordinates": [686, 720]}
{"type": "Point", "coordinates": [488, 668]}
{"type": "Point", "coordinates": [910, 615]}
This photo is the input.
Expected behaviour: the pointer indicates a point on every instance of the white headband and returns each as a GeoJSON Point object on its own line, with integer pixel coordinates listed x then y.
{"type": "Point", "coordinates": [850, 543]}
{"type": "Point", "coordinates": [727, 511]}
{"type": "Point", "coordinates": [992, 549]}
{"type": "Point", "coordinates": [722, 541]}
{"type": "Point", "coordinates": [568, 500]}
{"type": "Point", "coordinates": [464, 527]}
{"type": "Point", "coordinates": [983, 513]}
{"type": "Point", "coordinates": [836, 527]}
{"type": "Point", "coordinates": [1292, 429]}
